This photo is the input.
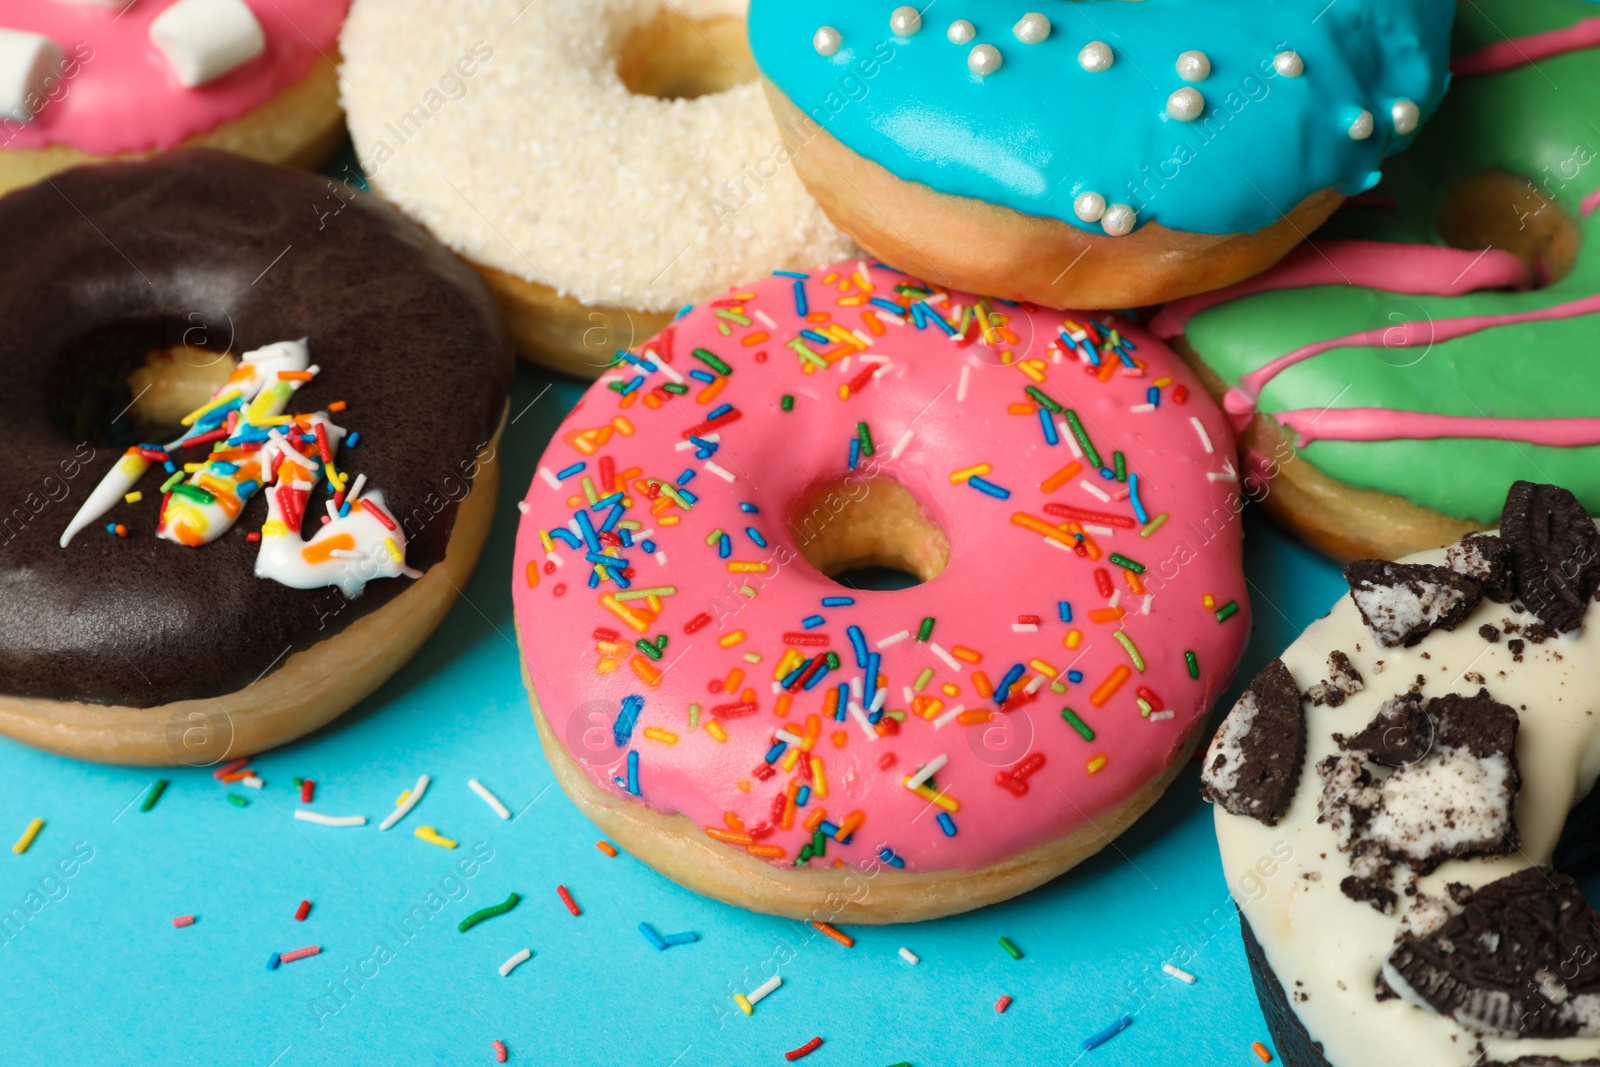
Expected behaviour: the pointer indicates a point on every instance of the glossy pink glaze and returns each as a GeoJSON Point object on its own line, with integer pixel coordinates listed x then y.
{"type": "Point", "coordinates": [1413, 269]}
{"type": "Point", "coordinates": [123, 97]}
{"type": "Point", "coordinates": [1516, 52]}
{"type": "Point", "coordinates": [1382, 424]}
{"type": "Point", "coordinates": [998, 571]}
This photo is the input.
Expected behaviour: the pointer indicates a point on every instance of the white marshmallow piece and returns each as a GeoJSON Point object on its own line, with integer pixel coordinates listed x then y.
{"type": "Point", "coordinates": [204, 39]}
{"type": "Point", "coordinates": [27, 61]}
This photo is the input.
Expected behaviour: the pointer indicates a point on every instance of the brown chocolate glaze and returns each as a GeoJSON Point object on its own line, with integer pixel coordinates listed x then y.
{"type": "Point", "coordinates": [100, 264]}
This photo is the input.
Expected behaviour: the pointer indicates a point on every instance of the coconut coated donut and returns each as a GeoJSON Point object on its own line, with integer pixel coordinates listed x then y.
{"type": "Point", "coordinates": [1098, 154]}
{"type": "Point", "coordinates": [1387, 383]}
{"type": "Point", "coordinates": [601, 162]}
{"type": "Point", "coordinates": [772, 738]}
{"type": "Point", "coordinates": [159, 600]}
{"type": "Point", "coordinates": [86, 80]}
{"type": "Point", "coordinates": [1399, 794]}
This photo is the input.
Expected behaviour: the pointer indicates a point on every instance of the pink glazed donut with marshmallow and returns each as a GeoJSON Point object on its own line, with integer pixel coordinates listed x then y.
{"type": "Point", "coordinates": [1059, 485]}
{"type": "Point", "coordinates": [87, 80]}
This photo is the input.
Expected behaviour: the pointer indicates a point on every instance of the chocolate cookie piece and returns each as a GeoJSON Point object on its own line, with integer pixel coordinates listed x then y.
{"type": "Point", "coordinates": [1349, 797]}
{"type": "Point", "coordinates": [1459, 799]}
{"type": "Point", "coordinates": [1555, 551]}
{"type": "Point", "coordinates": [1366, 891]}
{"type": "Point", "coordinates": [1343, 680]}
{"type": "Point", "coordinates": [1516, 961]}
{"type": "Point", "coordinates": [1486, 559]}
{"type": "Point", "coordinates": [1544, 1061]}
{"type": "Point", "coordinates": [1402, 603]}
{"type": "Point", "coordinates": [1539, 633]}
{"type": "Point", "coordinates": [1254, 761]}
{"type": "Point", "coordinates": [1400, 733]}
{"type": "Point", "coordinates": [1478, 723]}
{"type": "Point", "coordinates": [1453, 792]}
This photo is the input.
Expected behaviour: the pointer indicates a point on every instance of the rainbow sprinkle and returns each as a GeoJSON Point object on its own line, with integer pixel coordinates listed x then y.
{"type": "Point", "coordinates": [1094, 1041]}
{"type": "Point", "coordinates": [490, 912]}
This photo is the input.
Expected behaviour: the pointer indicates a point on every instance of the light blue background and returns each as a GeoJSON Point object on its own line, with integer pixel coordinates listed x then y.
{"type": "Point", "coordinates": [99, 975]}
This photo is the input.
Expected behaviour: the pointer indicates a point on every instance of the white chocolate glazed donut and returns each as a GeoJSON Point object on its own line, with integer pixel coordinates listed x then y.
{"type": "Point", "coordinates": [510, 131]}
{"type": "Point", "coordinates": [1326, 949]}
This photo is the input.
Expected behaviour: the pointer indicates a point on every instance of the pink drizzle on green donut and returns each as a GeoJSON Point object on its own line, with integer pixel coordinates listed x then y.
{"type": "Point", "coordinates": [1382, 424]}
{"type": "Point", "coordinates": [1240, 401]}
{"type": "Point", "coordinates": [1516, 52]}
{"type": "Point", "coordinates": [1413, 269]}
{"type": "Point", "coordinates": [118, 94]}
{"type": "Point", "coordinates": [693, 676]}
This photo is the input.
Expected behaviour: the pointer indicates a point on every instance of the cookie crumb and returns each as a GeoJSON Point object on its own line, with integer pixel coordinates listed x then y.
{"type": "Point", "coordinates": [1402, 603]}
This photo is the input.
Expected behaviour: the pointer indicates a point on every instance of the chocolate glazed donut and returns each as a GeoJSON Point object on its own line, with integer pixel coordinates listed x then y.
{"type": "Point", "coordinates": [102, 264]}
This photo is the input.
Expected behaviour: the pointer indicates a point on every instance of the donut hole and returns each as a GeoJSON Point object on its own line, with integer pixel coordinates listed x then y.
{"type": "Point", "coordinates": [1505, 211]}
{"type": "Point", "coordinates": [870, 535]}
{"type": "Point", "coordinates": [174, 381]}
{"type": "Point", "coordinates": [675, 57]}
{"type": "Point", "coordinates": [133, 383]}
{"type": "Point", "coordinates": [880, 579]}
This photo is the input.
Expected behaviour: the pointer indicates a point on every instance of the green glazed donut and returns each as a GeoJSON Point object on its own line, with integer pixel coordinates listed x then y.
{"type": "Point", "coordinates": [1438, 340]}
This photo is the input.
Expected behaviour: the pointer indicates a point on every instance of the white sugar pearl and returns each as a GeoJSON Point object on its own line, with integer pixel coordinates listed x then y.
{"type": "Point", "coordinates": [984, 60]}
{"type": "Point", "coordinates": [905, 21]}
{"type": "Point", "coordinates": [1194, 66]}
{"type": "Point", "coordinates": [1361, 128]}
{"type": "Point", "coordinates": [1090, 207]}
{"type": "Point", "coordinates": [827, 41]}
{"type": "Point", "coordinates": [1289, 64]}
{"type": "Point", "coordinates": [961, 31]}
{"type": "Point", "coordinates": [1118, 220]}
{"type": "Point", "coordinates": [1095, 57]}
{"type": "Point", "coordinates": [1406, 117]}
{"type": "Point", "coordinates": [1032, 28]}
{"type": "Point", "coordinates": [1186, 104]}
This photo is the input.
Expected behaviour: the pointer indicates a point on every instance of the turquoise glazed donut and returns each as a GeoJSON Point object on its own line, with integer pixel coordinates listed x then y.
{"type": "Point", "coordinates": [1174, 146]}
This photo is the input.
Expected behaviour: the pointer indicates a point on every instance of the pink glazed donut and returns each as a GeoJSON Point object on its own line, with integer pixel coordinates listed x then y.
{"type": "Point", "coordinates": [763, 734]}
{"type": "Point", "coordinates": [86, 80]}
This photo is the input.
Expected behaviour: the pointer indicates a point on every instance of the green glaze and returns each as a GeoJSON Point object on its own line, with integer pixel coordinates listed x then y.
{"type": "Point", "coordinates": [1536, 121]}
